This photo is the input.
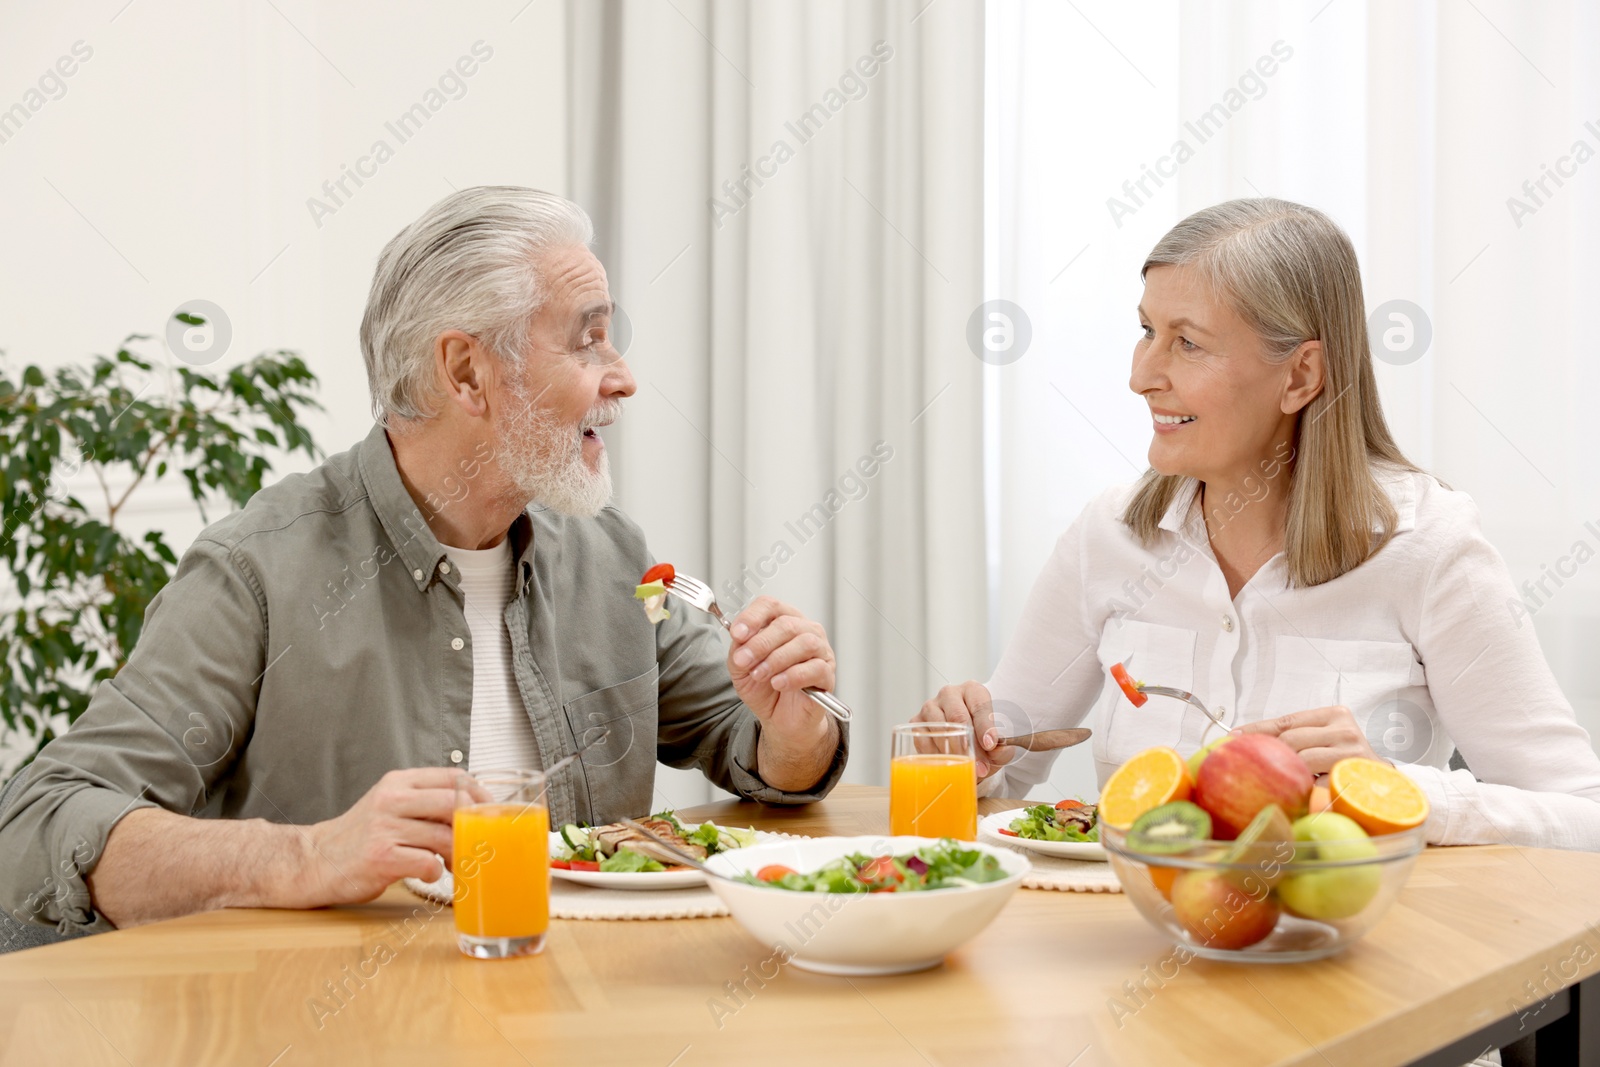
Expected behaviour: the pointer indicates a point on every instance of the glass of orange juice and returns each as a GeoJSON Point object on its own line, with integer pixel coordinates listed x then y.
{"type": "Point", "coordinates": [501, 864]}
{"type": "Point", "coordinates": [933, 781]}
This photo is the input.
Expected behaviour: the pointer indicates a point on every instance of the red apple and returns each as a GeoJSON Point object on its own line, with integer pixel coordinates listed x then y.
{"type": "Point", "coordinates": [1240, 778]}
{"type": "Point", "coordinates": [1224, 909]}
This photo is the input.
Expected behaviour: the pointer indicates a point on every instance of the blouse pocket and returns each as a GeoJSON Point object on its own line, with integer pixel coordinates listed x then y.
{"type": "Point", "coordinates": [1159, 655]}
{"type": "Point", "coordinates": [1381, 682]}
{"type": "Point", "coordinates": [619, 771]}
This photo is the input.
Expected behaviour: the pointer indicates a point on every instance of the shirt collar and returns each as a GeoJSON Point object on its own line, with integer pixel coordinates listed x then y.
{"type": "Point", "coordinates": [419, 550]}
{"type": "Point", "coordinates": [521, 535]}
{"type": "Point", "coordinates": [1176, 516]}
{"type": "Point", "coordinates": [1398, 483]}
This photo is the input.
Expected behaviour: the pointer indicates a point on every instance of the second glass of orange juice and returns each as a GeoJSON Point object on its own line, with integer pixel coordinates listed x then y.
{"type": "Point", "coordinates": [501, 864]}
{"type": "Point", "coordinates": [933, 781]}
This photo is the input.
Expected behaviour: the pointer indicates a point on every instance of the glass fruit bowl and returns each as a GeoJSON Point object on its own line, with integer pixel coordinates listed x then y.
{"type": "Point", "coordinates": [1269, 901]}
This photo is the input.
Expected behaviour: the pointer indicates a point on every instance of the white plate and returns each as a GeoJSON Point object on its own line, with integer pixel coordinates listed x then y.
{"type": "Point", "coordinates": [632, 879]}
{"type": "Point", "coordinates": [636, 879]}
{"type": "Point", "coordinates": [989, 828]}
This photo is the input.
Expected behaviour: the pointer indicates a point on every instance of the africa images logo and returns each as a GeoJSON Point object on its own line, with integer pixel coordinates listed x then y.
{"type": "Point", "coordinates": [199, 332]}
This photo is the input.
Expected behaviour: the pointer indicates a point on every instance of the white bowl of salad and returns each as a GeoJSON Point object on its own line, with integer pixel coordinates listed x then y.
{"type": "Point", "coordinates": [866, 905]}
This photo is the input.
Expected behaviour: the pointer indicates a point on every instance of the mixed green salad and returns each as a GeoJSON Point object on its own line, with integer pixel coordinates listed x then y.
{"type": "Point", "coordinates": [1068, 820]}
{"type": "Point", "coordinates": [942, 866]}
{"type": "Point", "coordinates": [620, 849]}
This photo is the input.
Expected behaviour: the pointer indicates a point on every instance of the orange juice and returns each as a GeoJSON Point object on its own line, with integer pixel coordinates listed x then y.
{"type": "Point", "coordinates": [502, 870]}
{"type": "Point", "coordinates": [933, 795]}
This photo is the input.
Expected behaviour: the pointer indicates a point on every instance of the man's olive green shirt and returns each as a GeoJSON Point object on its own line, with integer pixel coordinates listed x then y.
{"type": "Point", "coordinates": [315, 640]}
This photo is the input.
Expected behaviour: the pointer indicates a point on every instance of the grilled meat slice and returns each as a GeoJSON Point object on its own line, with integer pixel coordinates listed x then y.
{"type": "Point", "coordinates": [1081, 818]}
{"type": "Point", "coordinates": [616, 836]}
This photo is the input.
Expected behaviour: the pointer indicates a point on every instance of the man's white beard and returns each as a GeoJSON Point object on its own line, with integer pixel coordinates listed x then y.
{"type": "Point", "coordinates": [543, 457]}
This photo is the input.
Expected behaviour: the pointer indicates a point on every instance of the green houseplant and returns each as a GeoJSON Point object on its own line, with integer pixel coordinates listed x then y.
{"type": "Point", "coordinates": [73, 585]}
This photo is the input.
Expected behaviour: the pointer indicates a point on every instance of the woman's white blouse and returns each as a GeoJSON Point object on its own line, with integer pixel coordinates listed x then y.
{"type": "Point", "coordinates": [1425, 643]}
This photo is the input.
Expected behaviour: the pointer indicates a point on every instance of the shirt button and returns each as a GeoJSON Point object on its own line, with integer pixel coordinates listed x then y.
{"type": "Point", "coordinates": [1227, 623]}
{"type": "Point", "coordinates": [455, 755]}
{"type": "Point", "coordinates": [444, 568]}
{"type": "Point", "coordinates": [417, 574]}
{"type": "Point", "coordinates": [456, 643]}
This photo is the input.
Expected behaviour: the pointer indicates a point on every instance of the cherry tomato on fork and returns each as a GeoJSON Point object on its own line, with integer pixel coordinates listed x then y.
{"type": "Point", "coordinates": [661, 572]}
{"type": "Point", "coordinates": [1130, 688]}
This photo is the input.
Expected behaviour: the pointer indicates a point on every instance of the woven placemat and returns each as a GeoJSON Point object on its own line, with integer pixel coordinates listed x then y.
{"type": "Point", "coordinates": [1070, 876]}
{"type": "Point", "coordinates": [569, 901]}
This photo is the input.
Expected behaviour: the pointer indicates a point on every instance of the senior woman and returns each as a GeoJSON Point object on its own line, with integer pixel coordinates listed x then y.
{"type": "Point", "coordinates": [1285, 562]}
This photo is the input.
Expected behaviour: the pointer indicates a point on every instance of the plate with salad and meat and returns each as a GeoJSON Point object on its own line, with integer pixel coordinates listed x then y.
{"type": "Point", "coordinates": [1069, 829]}
{"type": "Point", "coordinates": [619, 857]}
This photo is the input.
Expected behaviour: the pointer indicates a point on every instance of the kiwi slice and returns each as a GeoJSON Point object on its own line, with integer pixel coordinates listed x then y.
{"type": "Point", "coordinates": [1170, 829]}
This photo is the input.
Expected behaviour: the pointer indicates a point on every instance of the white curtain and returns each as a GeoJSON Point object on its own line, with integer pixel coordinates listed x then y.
{"type": "Point", "coordinates": [1414, 125]}
{"type": "Point", "coordinates": [788, 199]}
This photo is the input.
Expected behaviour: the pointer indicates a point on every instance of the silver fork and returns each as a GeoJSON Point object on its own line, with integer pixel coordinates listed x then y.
{"type": "Point", "coordinates": [697, 593]}
{"type": "Point", "coordinates": [1187, 698]}
{"type": "Point", "coordinates": [1176, 694]}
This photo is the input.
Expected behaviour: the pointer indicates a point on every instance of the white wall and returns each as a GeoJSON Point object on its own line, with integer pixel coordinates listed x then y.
{"type": "Point", "coordinates": [180, 160]}
{"type": "Point", "coordinates": [178, 163]}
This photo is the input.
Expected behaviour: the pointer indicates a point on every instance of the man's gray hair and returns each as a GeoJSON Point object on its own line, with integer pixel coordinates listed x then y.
{"type": "Point", "coordinates": [470, 263]}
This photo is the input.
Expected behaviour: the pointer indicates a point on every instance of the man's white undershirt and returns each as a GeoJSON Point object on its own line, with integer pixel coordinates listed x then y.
{"type": "Point", "coordinates": [501, 736]}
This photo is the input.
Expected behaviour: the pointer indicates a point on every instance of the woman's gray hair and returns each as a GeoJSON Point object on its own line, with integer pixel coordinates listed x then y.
{"type": "Point", "coordinates": [470, 263]}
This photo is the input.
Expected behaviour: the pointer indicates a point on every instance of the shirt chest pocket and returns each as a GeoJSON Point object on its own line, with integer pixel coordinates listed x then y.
{"type": "Point", "coordinates": [619, 771]}
{"type": "Point", "coordinates": [1158, 655]}
{"type": "Point", "coordinates": [1317, 672]}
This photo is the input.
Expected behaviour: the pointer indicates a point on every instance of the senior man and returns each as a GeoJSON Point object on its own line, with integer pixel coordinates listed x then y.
{"type": "Point", "coordinates": [327, 661]}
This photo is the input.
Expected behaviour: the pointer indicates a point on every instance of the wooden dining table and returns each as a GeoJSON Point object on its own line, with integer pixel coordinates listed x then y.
{"type": "Point", "coordinates": [1484, 945]}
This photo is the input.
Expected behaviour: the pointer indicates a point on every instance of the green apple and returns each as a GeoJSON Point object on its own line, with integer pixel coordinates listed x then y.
{"type": "Point", "coordinates": [1339, 892]}
{"type": "Point", "coordinates": [1196, 759]}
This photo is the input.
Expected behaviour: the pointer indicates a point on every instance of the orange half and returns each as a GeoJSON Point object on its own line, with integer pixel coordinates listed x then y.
{"type": "Point", "coordinates": [1381, 798]}
{"type": "Point", "coordinates": [1148, 780]}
